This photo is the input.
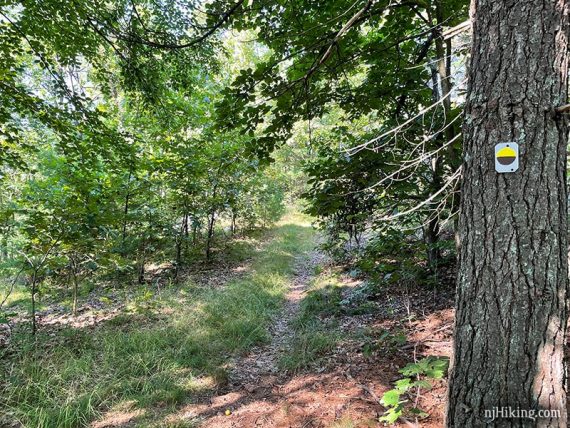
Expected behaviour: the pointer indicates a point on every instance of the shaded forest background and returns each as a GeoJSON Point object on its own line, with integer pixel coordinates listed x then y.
{"type": "Point", "coordinates": [132, 139]}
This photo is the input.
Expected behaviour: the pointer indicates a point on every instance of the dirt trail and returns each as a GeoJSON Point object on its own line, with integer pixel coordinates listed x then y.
{"type": "Point", "coordinates": [253, 379]}
{"type": "Point", "coordinates": [343, 392]}
{"type": "Point", "coordinates": [260, 366]}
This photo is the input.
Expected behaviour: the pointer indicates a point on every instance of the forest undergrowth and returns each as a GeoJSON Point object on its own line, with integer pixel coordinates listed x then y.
{"type": "Point", "coordinates": [160, 350]}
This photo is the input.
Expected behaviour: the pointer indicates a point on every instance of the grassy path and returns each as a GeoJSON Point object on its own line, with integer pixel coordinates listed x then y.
{"type": "Point", "coordinates": [140, 367]}
{"type": "Point", "coordinates": [266, 360]}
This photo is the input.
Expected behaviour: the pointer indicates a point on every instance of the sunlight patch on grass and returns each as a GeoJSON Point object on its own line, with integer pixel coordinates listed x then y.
{"type": "Point", "coordinates": [18, 296]}
{"type": "Point", "coordinates": [155, 361]}
{"type": "Point", "coordinates": [315, 332]}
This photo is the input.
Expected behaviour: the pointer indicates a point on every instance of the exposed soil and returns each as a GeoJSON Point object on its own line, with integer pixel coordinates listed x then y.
{"type": "Point", "coordinates": [345, 388]}
{"type": "Point", "coordinates": [259, 367]}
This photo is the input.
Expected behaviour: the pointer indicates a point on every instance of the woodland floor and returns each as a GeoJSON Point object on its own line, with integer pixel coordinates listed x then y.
{"type": "Point", "coordinates": [342, 387]}
{"type": "Point", "coordinates": [328, 354]}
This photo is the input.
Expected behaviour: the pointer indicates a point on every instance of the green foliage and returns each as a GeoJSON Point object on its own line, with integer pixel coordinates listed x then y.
{"type": "Point", "coordinates": [384, 341]}
{"type": "Point", "coordinates": [52, 41]}
{"type": "Point", "coordinates": [68, 378]}
{"type": "Point", "coordinates": [147, 134]}
{"type": "Point", "coordinates": [350, 82]}
{"type": "Point", "coordinates": [134, 171]}
{"type": "Point", "coordinates": [417, 377]}
{"type": "Point", "coordinates": [133, 134]}
{"type": "Point", "coordinates": [393, 256]}
{"type": "Point", "coordinates": [433, 368]}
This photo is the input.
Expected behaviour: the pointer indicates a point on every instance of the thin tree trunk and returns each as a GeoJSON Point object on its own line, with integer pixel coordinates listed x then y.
{"type": "Point", "coordinates": [431, 237]}
{"type": "Point", "coordinates": [178, 257]}
{"type": "Point", "coordinates": [142, 261]}
{"type": "Point", "coordinates": [75, 286]}
{"type": "Point", "coordinates": [142, 248]}
{"type": "Point", "coordinates": [34, 280]}
{"type": "Point", "coordinates": [179, 241]}
{"type": "Point", "coordinates": [186, 228]}
{"type": "Point", "coordinates": [211, 222]}
{"type": "Point", "coordinates": [141, 268]}
{"type": "Point", "coordinates": [194, 231]}
{"type": "Point", "coordinates": [5, 247]}
{"type": "Point", "coordinates": [513, 262]}
{"type": "Point", "coordinates": [234, 218]}
{"type": "Point", "coordinates": [443, 53]}
{"type": "Point", "coordinates": [431, 229]}
{"type": "Point", "coordinates": [441, 78]}
{"type": "Point", "coordinates": [126, 209]}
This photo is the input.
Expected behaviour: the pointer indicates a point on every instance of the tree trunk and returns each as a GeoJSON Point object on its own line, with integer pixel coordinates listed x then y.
{"type": "Point", "coordinates": [211, 222]}
{"type": "Point", "coordinates": [432, 227]}
{"type": "Point", "coordinates": [513, 269]}
{"type": "Point", "coordinates": [126, 211]}
{"type": "Point", "coordinates": [74, 268]}
{"type": "Point", "coordinates": [142, 261]}
{"type": "Point", "coordinates": [440, 79]}
{"type": "Point", "coordinates": [186, 232]}
{"type": "Point", "coordinates": [431, 238]}
{"type": "Point", "coordinates": [141, 271]}
{"type": "Point", "coordinates": [34, 290]}
{"type": "Point", "coordinates": [180, 239]}
{"type": "Point", "coordinates": [5, 247]}
{"type": "Point", "coordinates": [234, 220]}
{"type": "Point", "coordinates": [194, 231]}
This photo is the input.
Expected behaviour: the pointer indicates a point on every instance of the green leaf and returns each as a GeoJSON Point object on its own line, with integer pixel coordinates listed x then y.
{"type": "Point", "coordinates": [391, 415]}
{"type": "Point", "coordinates": [391, 398]}
{"type": "Point", "coordinates": [422, 384]}
{"type": "Point", "coordinates": [403, 385]}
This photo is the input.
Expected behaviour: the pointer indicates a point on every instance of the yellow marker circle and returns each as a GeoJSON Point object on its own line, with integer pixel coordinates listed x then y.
{"type": "Point", "coordinates": [506, 156]}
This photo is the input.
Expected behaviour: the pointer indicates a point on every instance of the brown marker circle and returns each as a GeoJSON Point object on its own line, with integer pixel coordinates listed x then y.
{"type": "Point", "coordinates": [506, 160]}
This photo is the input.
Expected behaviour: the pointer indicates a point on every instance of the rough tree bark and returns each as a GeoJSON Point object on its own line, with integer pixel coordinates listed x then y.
{"type": "Point", "coordinates": [513, 272]}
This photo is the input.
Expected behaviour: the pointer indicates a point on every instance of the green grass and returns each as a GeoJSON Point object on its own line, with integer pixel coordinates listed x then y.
{"type": "Point", "coordinates": [154, 359]}
{"type": "Point", "coordinates": [14, 296]}
{"type": "Point", "coordinates": [315, 332]}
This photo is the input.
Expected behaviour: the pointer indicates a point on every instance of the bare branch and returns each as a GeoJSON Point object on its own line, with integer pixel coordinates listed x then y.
{"type": "Point", "coordinates": [451, 180]}
{"type": "Point", "coordinates": [458, 29]}
{"type": "Point", "coordinates": [398, 128]}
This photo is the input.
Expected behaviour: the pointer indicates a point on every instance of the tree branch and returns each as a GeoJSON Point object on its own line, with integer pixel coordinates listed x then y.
{"type": "Point", "coordinates": [224, 18]}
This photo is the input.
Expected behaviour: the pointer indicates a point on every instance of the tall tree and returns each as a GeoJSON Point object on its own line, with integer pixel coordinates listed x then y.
{"type": "Point", "coordinates": [513, 274]}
